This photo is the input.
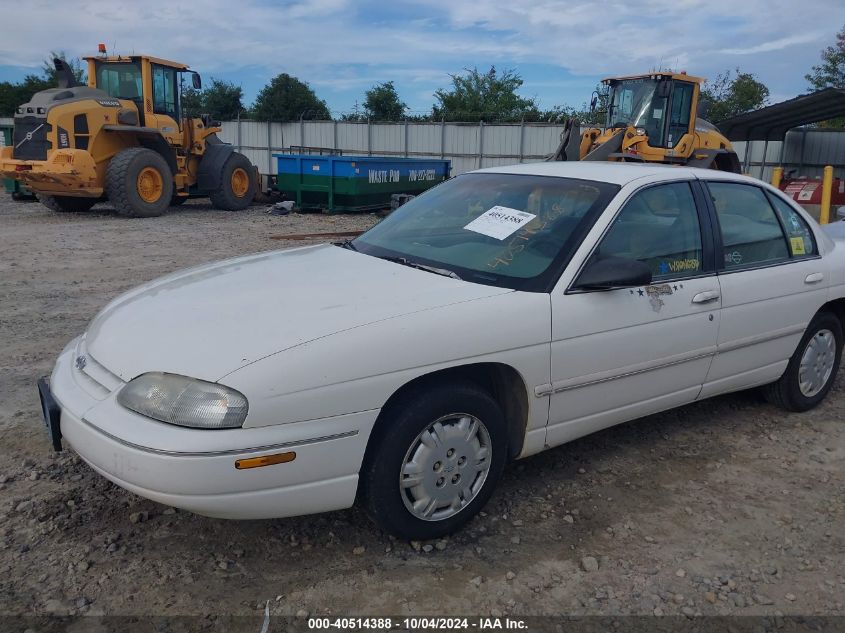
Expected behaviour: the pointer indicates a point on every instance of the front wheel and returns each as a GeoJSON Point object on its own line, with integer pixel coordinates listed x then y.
{"type": "Point", "coordinates": [238, 184]}
{"type": "Point", "coordinates": [434, 466]}
{"type": "Point", "coordinates": [812, 368]}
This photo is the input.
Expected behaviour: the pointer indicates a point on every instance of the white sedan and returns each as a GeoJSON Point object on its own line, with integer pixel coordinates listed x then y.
{"type": "Point", "coordinates": [504, 312]}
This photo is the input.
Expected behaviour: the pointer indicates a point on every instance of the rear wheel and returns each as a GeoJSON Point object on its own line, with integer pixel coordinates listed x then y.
{"type": "Point", "coordinates": [812, 368]}
{"type": "Point", "coordinates": [66, 204]}
{"type": "Point", "coordinates": [139, 183]}
{"type": "Point", "coordinates": [437, 461]}
{"type": "Point", "coordinates": [237, 184]}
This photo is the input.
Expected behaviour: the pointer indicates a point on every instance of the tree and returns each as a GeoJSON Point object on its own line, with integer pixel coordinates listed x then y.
{"type": "Point", "coordinates": [831, 72]}
{"type": "Point", "coordinates": [287, 98]}
{"type": "Point", "coordinates": [382, 103]}
{"type": "Point", "coordinates": [489, 96]}
{"type": "Point", "coordinates": [222, 100]}
{"type": "Point", "coordinates": [732, 96]}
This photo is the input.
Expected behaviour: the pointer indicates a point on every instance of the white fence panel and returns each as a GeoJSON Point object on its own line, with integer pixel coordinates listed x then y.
{"type": "Point", "coordinates": [472, 145]}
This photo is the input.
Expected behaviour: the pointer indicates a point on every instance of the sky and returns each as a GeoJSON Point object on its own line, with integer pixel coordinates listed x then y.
{"type": "Point", "coordinates": [561, 48]}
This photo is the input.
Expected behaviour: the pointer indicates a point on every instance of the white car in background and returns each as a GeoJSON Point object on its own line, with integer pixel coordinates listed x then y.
{"type": "Point", "coordinates": [501, 313]}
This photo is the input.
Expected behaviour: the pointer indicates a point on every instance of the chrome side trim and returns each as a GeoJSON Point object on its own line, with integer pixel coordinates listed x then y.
{"type": "Point", "coordinates": [577, 383]}
{"type": "Point", "coordinates": [234, 451]}
{"type": "Point", "coordinates": [542, 391]}
{"type": "Point", "coordinates": [761, 338]}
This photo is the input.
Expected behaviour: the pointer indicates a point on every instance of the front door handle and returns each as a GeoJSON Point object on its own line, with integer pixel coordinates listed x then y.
{"type": "Point", "coordinates": [813, 278]}
{"type": "Point", "coordinates": [706, 297]}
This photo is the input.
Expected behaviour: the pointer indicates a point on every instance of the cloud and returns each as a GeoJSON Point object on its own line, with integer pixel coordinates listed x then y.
{"type": "Point", "coordinates": [347, 45]}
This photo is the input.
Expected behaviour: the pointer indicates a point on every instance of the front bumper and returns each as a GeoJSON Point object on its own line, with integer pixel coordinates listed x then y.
{"type": "Point", "coordinates": [195, 469]}
{"type": "Point", "coordinates": [66, 172]}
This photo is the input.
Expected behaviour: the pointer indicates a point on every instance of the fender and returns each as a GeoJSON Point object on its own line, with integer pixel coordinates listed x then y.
{"type": "Point", "coordinates": [148, 137]}
{"type": "Point", "coordinates": [211, 165]}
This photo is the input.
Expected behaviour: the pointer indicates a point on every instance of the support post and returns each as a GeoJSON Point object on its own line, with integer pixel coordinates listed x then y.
{"type": "Point", "coordinates": [827, 187]}
{"type": "Point", "coordinates": [369, 138]}
{"type": "Point", "coordinates": [777, 176]}
{"type": "Point", "coordinates": [443, 137]}
{"type": "Point", "coordinates": [480, 143]}
{"type": "Point", "coordinates": [270, 147]}
{"type": "Point", "coordinates": [406, 138]}
{"type": "Point", "coordinates": [334, 136]}
{"type": "Point", "coordinates": [763, 161]}
{"type": "Point", "coordinates": [240, 147]}
{"type": "Point", "coordinates": [521, 138]}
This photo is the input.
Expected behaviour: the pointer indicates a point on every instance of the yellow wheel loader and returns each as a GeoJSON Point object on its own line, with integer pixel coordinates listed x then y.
{"type": "Point", "coordinates": [124, 137]}
{"type": "Point", "coordinates": [654, 118]}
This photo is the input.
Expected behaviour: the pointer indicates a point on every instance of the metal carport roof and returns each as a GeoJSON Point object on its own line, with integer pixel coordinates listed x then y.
{"type": "Point", "coordinates": [773, 122]}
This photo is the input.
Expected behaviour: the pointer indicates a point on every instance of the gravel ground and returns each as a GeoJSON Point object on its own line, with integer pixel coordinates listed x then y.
{"type": "Point", "coordinates": [729, 506]}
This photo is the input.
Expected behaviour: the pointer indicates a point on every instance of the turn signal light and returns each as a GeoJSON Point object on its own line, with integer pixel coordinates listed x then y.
{"type": "Point", "coordinates": [266, 460]}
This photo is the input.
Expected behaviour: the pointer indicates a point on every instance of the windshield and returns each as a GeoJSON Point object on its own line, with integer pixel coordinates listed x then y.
{"type": "Point", "coordinates": [514, 231]}
{"type": "Point", "coordinates": [120, 80]}
{"type": "Point", "coordinates": [633, 102]}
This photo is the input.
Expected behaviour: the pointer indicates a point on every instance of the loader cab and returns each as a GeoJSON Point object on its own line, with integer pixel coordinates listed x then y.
{"type": "Point", "coordinates": [659, 106]}
{"type": "Point", "coordinates": [152, 84]}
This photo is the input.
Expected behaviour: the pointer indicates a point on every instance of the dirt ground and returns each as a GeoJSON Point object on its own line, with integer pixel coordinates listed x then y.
{"type": "Point", "coordinates": [730, 506]}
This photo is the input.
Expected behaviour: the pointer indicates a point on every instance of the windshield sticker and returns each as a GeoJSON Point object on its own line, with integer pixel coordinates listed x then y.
{"type": "Point", "coordinates": [797, 245]}
{"type": "Point", "coordinates": [500, 222]}
{"type": "Point", "coordinates": [678, 265]}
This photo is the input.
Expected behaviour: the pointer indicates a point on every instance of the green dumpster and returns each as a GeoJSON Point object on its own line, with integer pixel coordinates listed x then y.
{"type": "Point", "coordinates": [12, 187]}
{"type": "Point", "coordinates": [338, 184]}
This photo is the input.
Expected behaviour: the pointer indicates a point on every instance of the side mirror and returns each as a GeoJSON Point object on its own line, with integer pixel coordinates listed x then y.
{"type": "Point", "coordinates": [196, 81]}
{"type": "Point", "coordinates": [593, 102]}
{"type": "Point", "coordinates": [613, 272]}
{"type": "Point", "coordinates": [703, 108]}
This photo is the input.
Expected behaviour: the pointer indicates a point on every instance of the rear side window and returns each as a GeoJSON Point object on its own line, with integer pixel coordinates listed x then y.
{"type": "Point", "coordinates": [751, 233]}
{"type": "Point", "coordinates": [798, 232]}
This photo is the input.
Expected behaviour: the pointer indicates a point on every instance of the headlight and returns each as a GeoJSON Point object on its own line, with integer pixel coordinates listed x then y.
{"type": "Point", "coordinates": [184, 401]}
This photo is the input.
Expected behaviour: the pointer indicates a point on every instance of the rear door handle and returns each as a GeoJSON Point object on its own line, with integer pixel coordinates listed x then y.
{"type": "Point", "coordinates": [706, 297]}
{"type": "Point", "coordinates": [813, 278]}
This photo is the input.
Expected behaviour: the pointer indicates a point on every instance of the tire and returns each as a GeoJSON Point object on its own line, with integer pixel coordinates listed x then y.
{"type": "Point", "coordinates": [446, 470]}
{"type": "Point", "coordinates": [237, 184]}
{"type": "Point", "coordinates": [793, 391]}
{"type": "Point", "coordinates": [139, 183]}
{"type": "Point", "coordinates": [66, 204]}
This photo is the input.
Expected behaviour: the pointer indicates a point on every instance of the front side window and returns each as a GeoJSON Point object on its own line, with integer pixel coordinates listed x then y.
{"type": "Point", "coordinates": [658, 227]}
{"type": "Point", "coordinates": [508, 230]}
{"type": "Point", "coordinates": [801, 242]}
{"type": "Point", "coordinates": [164, 91]}
{"type": "Point", "coordinates": [120, 80]}
{"type": "Point", "coordinates": [751, 233]}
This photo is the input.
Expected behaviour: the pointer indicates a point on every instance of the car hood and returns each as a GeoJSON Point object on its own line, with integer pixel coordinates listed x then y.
{"type": "Point", "coordinates": [210, 320]}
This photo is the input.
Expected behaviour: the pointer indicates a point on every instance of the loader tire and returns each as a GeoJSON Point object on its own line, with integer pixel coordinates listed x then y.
{"type": "Point", "coordinates": [139, 183]}
{"type": "Point", "coordinates": [237, 184]}
{"type": "Point", "coordinates": [66, 204]}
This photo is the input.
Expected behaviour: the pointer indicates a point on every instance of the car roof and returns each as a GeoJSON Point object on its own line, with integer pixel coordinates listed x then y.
{"type": "Point", "coordinates": [616, 173]}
